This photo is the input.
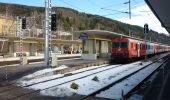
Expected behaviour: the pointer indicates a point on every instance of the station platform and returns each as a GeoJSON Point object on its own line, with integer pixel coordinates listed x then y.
{"type": "Point", "coordinates": [16, 60]}
{"type": "Point", "coordinates": [12, 72]}
{"type": "Point", "coordinates": [160, 87]}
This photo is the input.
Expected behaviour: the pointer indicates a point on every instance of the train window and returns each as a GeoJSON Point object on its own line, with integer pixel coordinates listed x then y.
{"type": "Point", "coordinates": [120, 45]}
{"type": "Point", "coordinates": [124, 44]}
{"type": "Point", "coordinates": [116, 44]}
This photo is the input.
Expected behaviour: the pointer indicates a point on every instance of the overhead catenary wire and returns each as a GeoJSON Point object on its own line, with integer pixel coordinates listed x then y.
{"type": "Point", "coordinates": [109, 14]}
{"type": "Point", "coordinates": [151, 18]}
{"type": "Point", "coordinates": [72, 5]}
{"type": "Point", "coordinates": [94, 4]}
{"type": "Point", "coordinates": [116, 10]}
{"type": "Point", "coordinates": [113, 5]}
{"type": "Point", "coordinates": [149, 14]}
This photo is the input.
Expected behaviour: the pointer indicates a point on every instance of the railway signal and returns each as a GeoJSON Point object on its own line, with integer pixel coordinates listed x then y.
{"type": "Point", "coordinates": [146, 28]}
{"type": "Point", "coordinates": [53, 22]}
{"type": "Point", "coordinates": [24, 23]}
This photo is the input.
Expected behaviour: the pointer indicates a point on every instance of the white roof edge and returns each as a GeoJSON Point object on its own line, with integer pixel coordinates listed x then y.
{"type": "Point", "coordinates": [111, 33]}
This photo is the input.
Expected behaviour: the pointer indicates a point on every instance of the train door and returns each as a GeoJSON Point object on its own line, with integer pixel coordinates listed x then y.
{"type": "Point", "coordinates": [138, 49]}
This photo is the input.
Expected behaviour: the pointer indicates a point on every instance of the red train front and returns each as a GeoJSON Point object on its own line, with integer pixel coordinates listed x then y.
{"type": "Point", "coordinates": [124, 48]}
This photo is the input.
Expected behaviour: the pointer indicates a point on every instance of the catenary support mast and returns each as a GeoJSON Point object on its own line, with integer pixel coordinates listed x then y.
{"type": "Point", "coordinates": [47, 54]}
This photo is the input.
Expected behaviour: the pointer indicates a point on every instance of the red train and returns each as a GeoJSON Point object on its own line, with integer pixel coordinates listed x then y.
{"type": "Point", "coordinates": [125, 48]}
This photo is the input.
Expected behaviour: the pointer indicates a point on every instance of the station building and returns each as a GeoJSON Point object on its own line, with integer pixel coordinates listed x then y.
{"type": "Point", "coordinates": [33, 44]}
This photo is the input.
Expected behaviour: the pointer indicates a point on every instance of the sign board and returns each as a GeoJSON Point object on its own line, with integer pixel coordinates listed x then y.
{"type": "Point", "coordinates": [83, 37]}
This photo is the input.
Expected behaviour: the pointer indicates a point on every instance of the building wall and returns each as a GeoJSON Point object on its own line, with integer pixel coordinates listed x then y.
{"type": "Point", "coordinates": [7, 26]}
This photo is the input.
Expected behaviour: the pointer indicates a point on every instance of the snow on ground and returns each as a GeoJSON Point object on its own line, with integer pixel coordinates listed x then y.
{"type": "Point", "coordinates": [85, 85]}
{"type": "Point", "coordinates": [115, 92]}
{"type": "Point", "coordinates": [59, 92]}
{"type": "Point", "coordinates": [37, 74]}
{"type": "Point", "coordinates": [30, 79]}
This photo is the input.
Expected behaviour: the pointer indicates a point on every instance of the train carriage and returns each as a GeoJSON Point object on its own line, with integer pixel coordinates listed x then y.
{"type": "Point", "coordinates": [125, 48]}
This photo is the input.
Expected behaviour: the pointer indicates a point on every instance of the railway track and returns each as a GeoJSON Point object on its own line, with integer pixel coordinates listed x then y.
{"type": "Point", "coordinates": [124, 94]}
{"type": "Point", "coordinates": [38, 90]}
{"type": "Point", "coordinates": [46, 81]}
{"type": "Point", "coordinates": [66, 75]}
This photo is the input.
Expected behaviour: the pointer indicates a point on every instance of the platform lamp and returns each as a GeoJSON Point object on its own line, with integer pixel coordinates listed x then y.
{"type": "Point", "coordinates": [146, 30]}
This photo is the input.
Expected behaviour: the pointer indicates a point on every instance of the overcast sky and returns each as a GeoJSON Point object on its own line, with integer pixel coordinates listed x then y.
{"type": "Point", "coordinates": [113, 9]}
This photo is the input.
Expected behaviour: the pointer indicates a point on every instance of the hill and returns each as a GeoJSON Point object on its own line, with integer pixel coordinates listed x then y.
{"type": "Point", "coordinates": [68, 18]}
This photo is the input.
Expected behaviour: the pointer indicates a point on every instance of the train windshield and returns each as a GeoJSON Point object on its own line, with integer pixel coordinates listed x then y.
{"type": "Point", "coordinates": [120, 45]}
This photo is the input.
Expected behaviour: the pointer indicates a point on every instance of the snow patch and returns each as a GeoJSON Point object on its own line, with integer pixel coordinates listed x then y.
{"type": "Point", "coordinates": [59, 92]}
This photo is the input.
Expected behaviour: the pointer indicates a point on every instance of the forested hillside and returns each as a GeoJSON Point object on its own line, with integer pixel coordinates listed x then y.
{"type": "Point", "coordinates": [68, 18]}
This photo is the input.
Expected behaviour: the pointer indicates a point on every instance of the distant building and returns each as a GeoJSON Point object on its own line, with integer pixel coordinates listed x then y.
{"type": "Point", "coordinates": [7, 26]}
{"type": "Point", "coordinates": [33, 40]}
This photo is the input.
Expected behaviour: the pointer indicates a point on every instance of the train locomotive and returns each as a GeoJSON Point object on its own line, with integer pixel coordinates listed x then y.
{"type": "Point", "coordinates": [129, 49]}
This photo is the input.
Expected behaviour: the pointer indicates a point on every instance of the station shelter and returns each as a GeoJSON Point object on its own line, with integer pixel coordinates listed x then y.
{"type": "Point", "coordinates": [97, 43]}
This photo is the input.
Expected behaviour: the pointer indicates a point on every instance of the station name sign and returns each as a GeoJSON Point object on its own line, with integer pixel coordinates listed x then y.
{"type": "Point", "coordinates": [83, 36]}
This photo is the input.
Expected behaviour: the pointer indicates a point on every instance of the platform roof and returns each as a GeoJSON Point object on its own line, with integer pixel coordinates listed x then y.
{"type": "Point", "coordinates": [105, 33]}
{"type": "Point", "coordinates": [108, 33]}
{"type": "Point", "coordinates": [161, 10]}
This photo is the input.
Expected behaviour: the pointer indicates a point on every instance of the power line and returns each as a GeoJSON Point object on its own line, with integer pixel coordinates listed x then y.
{"type": "Point", "coordinates": [115, 5]}
{"type": "Point", "coordinates": [94, 4]}
{"type": "Point", "coordinates": [72, 5]}
{"type": "Point", "coordinates": [148, 14]}
{"type": "Point", "coordinates": [110, 14]}
{"type": "Point", "coordinates": [116, 10]}
{"type": "Point", "coordinates": [129, 12]}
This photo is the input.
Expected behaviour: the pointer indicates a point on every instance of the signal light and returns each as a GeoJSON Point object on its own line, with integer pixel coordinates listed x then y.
{"type": "Point", "coordinates": [146, 29]}
{"type": "Point", "coordinates": [23, 23]}
{"type": "Point", "coordinates": [53, 22]}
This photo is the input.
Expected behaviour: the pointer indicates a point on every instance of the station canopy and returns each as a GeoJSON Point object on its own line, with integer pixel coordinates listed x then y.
{"type": "Point", "coordinates": [161, 9]}
{"type": "Point", "coordinates": [105, 33]}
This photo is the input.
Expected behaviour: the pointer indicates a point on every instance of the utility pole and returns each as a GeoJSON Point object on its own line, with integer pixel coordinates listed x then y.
{"type": "Point", "coordinates": [146, 30]}
{"type": "Point", "coordinates": [21, 41]}
{"type": "Point", "coordinates": [129, 9]}
{"type": "Point", "coordinates": [72, 40]}
{"type": "Point", "coordinates": [6, 18]}
{"type": "Point", "coordinates": [47, 54]}
{"type": "Point", "coordinates": [129, 2]}
{"type": "Point", "coordinates": [17, 26]}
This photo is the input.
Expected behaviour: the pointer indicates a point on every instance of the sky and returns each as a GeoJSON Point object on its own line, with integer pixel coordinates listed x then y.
{"type": "Point", "coordinates": [113, 9]}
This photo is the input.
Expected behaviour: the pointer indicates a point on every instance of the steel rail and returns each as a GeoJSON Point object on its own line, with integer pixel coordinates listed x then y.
{"type": "Point", "coordinates": [119, 80]}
